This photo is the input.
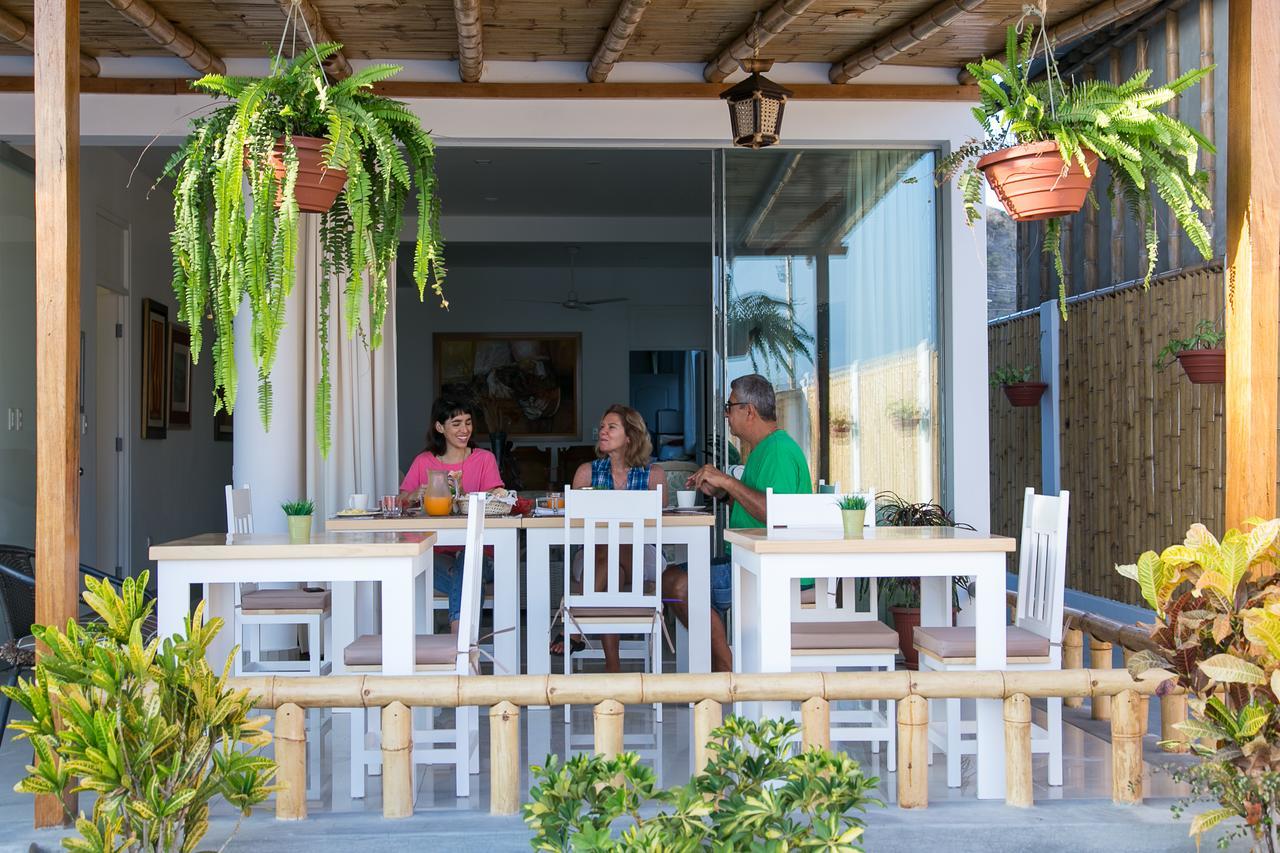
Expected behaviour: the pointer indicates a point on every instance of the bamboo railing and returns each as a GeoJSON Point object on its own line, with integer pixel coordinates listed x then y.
{"type": "Point", "coordinates": [505, 695]}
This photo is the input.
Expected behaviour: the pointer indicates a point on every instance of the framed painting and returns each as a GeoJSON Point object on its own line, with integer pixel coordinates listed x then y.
{"type": "Point", "coordinates": [526, 385]}
{"type": "Point", "coordinates": [179, 377]}
{"type": "Point", "coordinates": [155, 381]}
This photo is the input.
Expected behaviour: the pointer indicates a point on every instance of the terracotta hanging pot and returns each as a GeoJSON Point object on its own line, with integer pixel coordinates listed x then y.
{"type": "Point", "coordinates": [1204, 366]}
{"type": "Point", "coordinates": [1033, 182]}
{"type": "Point", "coordinates": [318, 186]}
{"type": "Point", "coordinates": [1025, 393]}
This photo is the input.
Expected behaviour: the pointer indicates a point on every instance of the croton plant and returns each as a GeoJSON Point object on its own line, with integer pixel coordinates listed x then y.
{"type": "Point", "coordinates": [1217, 607]}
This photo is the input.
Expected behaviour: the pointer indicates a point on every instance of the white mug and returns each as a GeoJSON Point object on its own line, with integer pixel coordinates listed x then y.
{"type": "Point", "coordinates": [686, 499]}
{"type": "Point", "coordinates": [358, 501]}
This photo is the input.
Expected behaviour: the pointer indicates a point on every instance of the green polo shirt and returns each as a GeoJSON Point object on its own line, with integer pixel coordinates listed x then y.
{"type": "Point", "coordinates": [776, 463]}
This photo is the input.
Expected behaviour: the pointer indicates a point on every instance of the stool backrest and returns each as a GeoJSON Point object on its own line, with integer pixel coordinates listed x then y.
{"type": "Point", "coordinates": [603, 515]}
{"type": "Point", "coordinates": [1042, 564]}
{"type": "Point", "coordinates": [239, 509]}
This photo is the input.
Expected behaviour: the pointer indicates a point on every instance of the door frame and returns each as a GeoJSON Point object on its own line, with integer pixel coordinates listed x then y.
{"type": "Point", "coordinates": [124, 405]}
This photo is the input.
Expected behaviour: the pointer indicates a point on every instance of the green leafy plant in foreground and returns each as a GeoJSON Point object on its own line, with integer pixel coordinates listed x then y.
{"type": "Point", "coordinates": [1005, 375]}
{"type": "Point", "coordinates": [757, 792]}
{"type": "Point", "coordinates": [1204, 336]}
{"type": "Point", "coordinates": [148, 727]}
{"type": "Point", "coordinates": [298, 508]}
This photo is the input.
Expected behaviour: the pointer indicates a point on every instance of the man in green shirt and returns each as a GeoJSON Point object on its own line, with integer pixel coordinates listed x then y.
{"type": "Point", "coordinates": [776, 462]}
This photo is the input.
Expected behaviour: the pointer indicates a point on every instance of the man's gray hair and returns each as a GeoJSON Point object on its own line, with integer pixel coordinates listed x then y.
{"type": "Point", "coordinates": [757, 391]}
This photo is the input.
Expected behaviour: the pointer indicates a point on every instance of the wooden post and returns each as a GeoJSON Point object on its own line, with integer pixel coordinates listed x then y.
{"type": "Point", "coordinates": [1173, 710]}
{"type": "Point", "coordinates": [707, 716]}
{"type": "Point", "coordinates": [504, 759]}
{"type": "Point", "coordinates": [1100, 658]}
{"type": "Point", "coordinates": [57, 138]}
{"type": "Point", "coordinates": [1126, 748]}
{"type": "Point", "coordinates": [1253, 259]}
{"type": "Point", "coordinates": [1145, 711]}
{"type": "Point", "coordinates": [1172, 68]}
{"type": "Point", "coordinates": [913, 753]}
{"type": "Point", "coordinates": [291, 757]}
{"type": "Point", "coordinates": [1073, 658]}
{"type": "Point", "coordinates": [397, 761]}
{"type": "Point", "coordinates": [815, 717]}
{"type": "Point", "coordinates": [607, 718]}
{"type": "Point", "coordinates": [1017, 751]}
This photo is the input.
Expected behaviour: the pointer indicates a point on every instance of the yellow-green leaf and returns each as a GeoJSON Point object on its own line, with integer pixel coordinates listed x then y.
{"type": "Point", "coordinates": [1229, 669]}
{"type": "Point", "coordinates": [1275, 682]}
{"type": "Point", "coordinates": [1263, 628]}
{"type": "Point", "coordinates": [1152, 575]}
{"type": "Point", "coordinates": [1208, 820]}
{"type": "Point", "coordinates": [1252, 719]}
{"type": "Point", "coordinates": [1128, 570]}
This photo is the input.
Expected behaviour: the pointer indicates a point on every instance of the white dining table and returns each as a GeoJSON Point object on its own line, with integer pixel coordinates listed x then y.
{"type": "Point", "coordinates": [502, 534]}
{"type": "Point", "coordinates": [222, 560]}
{"type": "Point", "coordinates": [766, 562]}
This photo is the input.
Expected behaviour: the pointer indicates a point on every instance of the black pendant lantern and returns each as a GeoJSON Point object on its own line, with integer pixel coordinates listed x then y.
{"type": "Point", "coordinates": [755, 106]}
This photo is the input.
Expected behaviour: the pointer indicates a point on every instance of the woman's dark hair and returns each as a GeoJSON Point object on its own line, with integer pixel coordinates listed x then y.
{"type": "Point", "coordinates": [442, 411]}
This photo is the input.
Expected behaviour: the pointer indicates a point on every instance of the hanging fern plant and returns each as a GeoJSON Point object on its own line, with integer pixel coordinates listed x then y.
{"type": "Point", "coordinates": [1149, 152]}
{"type": "Point", "coordinates": [229, 243]}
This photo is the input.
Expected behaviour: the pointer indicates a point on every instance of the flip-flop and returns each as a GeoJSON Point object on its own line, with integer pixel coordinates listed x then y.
{"type": "Point", "coordinates": [578, 644]}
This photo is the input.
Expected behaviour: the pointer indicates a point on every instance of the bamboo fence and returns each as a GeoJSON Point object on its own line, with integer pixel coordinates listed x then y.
{"type": "Point", "coordinates": [1142, 450]}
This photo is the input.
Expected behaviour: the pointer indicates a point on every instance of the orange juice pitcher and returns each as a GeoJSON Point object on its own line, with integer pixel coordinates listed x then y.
{"type": "Point", "coordinates": [438, 498]}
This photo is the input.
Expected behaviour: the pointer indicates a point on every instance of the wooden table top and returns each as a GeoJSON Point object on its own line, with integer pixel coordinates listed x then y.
{"type": "Point", "coordinates": [669, 519]}
{"type": "Point", "coordinates": [276, 546]}
{"type": "Point", "coordinates": [876, 540]}
{"type": "Point", "coordinates": [418, 522]}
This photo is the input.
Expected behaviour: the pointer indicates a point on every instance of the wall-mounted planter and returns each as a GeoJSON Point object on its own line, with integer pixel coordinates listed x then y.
{"type": "Point", "coordinates": [318, 186]}
{"type": "Point", "coordinates": [1025, 393]}
{"type": "Point", "coordinates": [1033, 182]}
{"type": "Point", "coordinates": [1204, 366]}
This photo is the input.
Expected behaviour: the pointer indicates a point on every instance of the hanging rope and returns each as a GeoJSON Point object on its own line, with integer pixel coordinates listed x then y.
{"type": "Point", "coordinates": [295, 11]}
{"type": "Point", "coordinates": [1039, 12]}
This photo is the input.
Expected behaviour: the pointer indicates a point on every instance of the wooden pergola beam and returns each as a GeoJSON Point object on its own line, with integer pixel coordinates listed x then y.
{"type": "Point", "coordinates": [17, 31]}
{"type": "Point", "coordinates": [166, 34]}
{"type": "Point", "coordinates": [1253, 258]}
{"type": "Point", "coordinates": [625, 22]}
{"type": "Point", "coordinates": [778, 17]}
{"type": "Point", "coordinates": [470, 40]}
{"type": "Point", "coordinates": [311, 23]}
{"type": "Point", "coordinates": [878, 52]}
{"type": "Point", "coordinates": [57, 197]}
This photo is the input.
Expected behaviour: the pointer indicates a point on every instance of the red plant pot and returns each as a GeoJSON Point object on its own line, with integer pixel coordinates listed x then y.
{"type": "Point", "coordinates": [905, 621]}
{"type": "Point", "coordinates": [1025, 393]}
{"type": "Point", "coordinates": [318, 186]}
{"type": "Point", "coordinates": [1034, 183]}
{"type": "Point", "coordinates": [1204, 366]}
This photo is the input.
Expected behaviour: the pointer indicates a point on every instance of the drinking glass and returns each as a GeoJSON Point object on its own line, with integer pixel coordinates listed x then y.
{"type": "Point", "coordinates": [391, 506]}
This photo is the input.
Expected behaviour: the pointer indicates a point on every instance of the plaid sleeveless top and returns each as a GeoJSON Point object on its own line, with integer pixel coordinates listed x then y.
{"type": "Point", "coordinates": [602, 476]}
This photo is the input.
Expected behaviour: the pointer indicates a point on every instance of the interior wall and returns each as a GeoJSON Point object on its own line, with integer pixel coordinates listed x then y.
{"type": "Point", "coordinates": [17, 351]}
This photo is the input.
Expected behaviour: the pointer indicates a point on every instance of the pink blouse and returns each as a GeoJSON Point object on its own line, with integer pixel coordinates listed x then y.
{"type": "Point", "coordinates": [479, 471]}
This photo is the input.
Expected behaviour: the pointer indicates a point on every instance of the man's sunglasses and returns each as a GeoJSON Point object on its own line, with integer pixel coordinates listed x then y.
{"type": "Point", "coordinates": [728, 406]}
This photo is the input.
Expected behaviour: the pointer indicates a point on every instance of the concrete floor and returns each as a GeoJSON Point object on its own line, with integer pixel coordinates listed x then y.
{"type": "Point", "coordinates": [1078, 816]}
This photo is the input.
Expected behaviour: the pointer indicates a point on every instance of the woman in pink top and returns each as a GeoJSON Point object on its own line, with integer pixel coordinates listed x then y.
{"type": "Point", "coordinates": [449, 449]}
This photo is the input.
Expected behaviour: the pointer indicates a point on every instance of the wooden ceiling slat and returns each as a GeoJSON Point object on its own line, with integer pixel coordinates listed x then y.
{"type": "Point", "coordinates": [470, 40]}
{"type": "Point", "coordinates": [17, 31]}
{"type": "Point", "coordinates": [615, 40]}
{"type": "Point", "coordinates": [901, 40]}
{"type": "Point", "coordinates": [170, 37]}
{"type": "Point", "coordinates": [754, 37]}
{"type": "Point", "coordinates": [313, 25]}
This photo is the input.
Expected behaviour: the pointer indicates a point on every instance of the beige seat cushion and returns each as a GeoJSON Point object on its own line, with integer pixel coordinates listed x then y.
{"type": "Point", "coordinates": [959, 642]}
{"type": "Point", "coordinates": [429, 649]}
{"type": "Point", "coordinates": [284, 599]}
{"type": "Point", "coordinates": [613, 612]}
{"type": "Point", "coordinates": [835, 636]}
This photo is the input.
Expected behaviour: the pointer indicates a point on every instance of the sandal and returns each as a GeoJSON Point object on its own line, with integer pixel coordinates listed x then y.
{"type": "Point", "coordinates": [557, 645]}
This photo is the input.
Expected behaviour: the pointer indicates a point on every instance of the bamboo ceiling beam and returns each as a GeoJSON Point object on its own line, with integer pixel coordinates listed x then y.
{"type": "Point", "coordinates": [625, 22]}
{"type": "Point", "coordinates": [470, 42]}
{"type": "Point", "coordinates": [776, 19]}
{"type": "Point", "coordinates": [337, 65]}
{"type": "Point", "coordinates": [166, 34]}
{"type": "Point", "coordinates": [1129, 36]}
{"type": "Point", "coordinates": [17, 31]}
{"type": "Point", "coordinates": [868, 56]}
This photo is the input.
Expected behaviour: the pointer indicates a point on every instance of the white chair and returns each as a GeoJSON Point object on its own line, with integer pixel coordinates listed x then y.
{"type": "Point", "coordinates": [434, 654]}
{"type": "Point", "coordinates": [1033, 642]}
{"type": "Point", "coordinates": [836, 624]}
{"type": "Point", "coordinates": [636, 609]}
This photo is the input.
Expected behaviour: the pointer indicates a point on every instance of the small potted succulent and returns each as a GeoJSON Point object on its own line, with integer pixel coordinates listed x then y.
{"type": "Point", "coordinates": [1201, 355]}
{"type": "Point", "coordinates": [299, 514]}
{"type": "Point", "coordinates": [1017, 385]}
{"type": "Point", "coordinates": [853, 510]}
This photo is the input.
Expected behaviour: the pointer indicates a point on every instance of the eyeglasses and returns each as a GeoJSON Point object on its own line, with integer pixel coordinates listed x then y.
{"type": "Point", "coordinates": [728, 406]}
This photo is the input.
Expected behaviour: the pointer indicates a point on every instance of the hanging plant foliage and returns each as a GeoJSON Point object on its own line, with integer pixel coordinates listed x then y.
{"type": "Point", "coordinates": [229, 243]}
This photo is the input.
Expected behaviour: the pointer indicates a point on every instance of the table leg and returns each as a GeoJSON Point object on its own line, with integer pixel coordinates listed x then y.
{"type": "Point", "coordinates": [773, 618]}
{"type": "Point", "coordinates": [220, 603]}
{"type": "Point", "coordinates": [700, 602]}
{"type": "Point", "coordinates": [172, 600]}
{"type": "Point", "coordinates": [990, 654]}
{"type": "Point", "coordinates": [538, 581]}
{"type": "Point", "coordinates": [397, 620]}
{"type": "Point", "coordinates": [506, 602]}
{"type": "Point", "coordinates": [935, 601]}
{"type": "Point", "coordinates": [343, 620]}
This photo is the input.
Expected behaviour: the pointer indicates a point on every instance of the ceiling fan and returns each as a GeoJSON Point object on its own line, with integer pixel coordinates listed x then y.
{"type": "Point", "coordinates": [572, 302]}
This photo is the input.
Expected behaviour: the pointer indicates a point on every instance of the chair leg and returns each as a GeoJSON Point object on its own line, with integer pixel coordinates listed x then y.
{"type": "Point", "coordinates": [6, 702]}
{"type": "Point", "coordinates": [890, 721]}
{"type": "Point", "coordinates": [953, 743]}
{"type": "Point", "coordinates": [568, 664]}
{"type": "Point", "coordinates": [357, 753]}
{"type": "Point", "coordinates": [462, 752]}
{"type": "Point", "coordinates": [473, 721]}
{"type": "Point", "coordinates": [1055, 741]}
{"type": "Point", "coordinates": [655, 666]}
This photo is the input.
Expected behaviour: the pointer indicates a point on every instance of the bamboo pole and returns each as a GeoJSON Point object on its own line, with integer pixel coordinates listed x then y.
{"type": "Point", "coordinates": [397, 761]}
{"type": "Point", "coordinates": [291, 758]}
{"type": "Point", "coordinates": [913, 753]}
{"type": "Point", "coordinates": [1141, 47]}
{"type": "Point", "coordinates": [707, 716]}
{"type": "Point", "coordinates": [815, 716]}
{"type": "Point", "coordinates": [314, 27]}
{"type": "Point", "coordinates": [504, 759]}
{"type": "Point", "coordinates": [1145, 710]}
{"type": "Point", "coordinates": [1126, 749]}
{"type": "Point", "coordinates": [1172, 68]}
{"type": "Point", "coordinates": [1100, 658]}
{"type": "Point", "coordinates": [1117, 206]}
{"type": "Point", "coordinates": [607, 717]}
{"type": "Point", "coordinates": [17, 31]}
{"type": "Point", "coordinates": [466, 14]}
{"type": "Point", "coordinates": [1173, 710]}
{"type": "Point", "coordinates": [163, 31]}
{"type": "Point", "coordinates": [625, 22]}
{"type": "Point", "coordinates": [1207, 161]}
{"type": "Point", "coordinates": [1017, 751]}
{"type": "Point", "coordinates": [1090, 229]}
{"type": "Point", "coordinates": [919, 29]}
{"type": "Point", "coordinates": [773, 21]}
{"type": "Point", "coordinates": [1073, 658]}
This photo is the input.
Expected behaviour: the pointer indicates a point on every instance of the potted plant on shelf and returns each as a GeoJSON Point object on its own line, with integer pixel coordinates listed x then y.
{"type": "Point", "coordinates": [299, 516]}
{"type": "Point", "coordinates": [853, 511]}
{"type": "Point", "coordinates": [907, 414]}
{"type": "Point", "coordinates": [1044, 139]}
{"type": "Point", "coordinates": [290, 142]}
{"type": "Point", "coordinates": [1017, 385]}
{"type": "Point", "coordinates": [1201, 355]}
{"type": "Point", "coordinates": [901, 595]}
